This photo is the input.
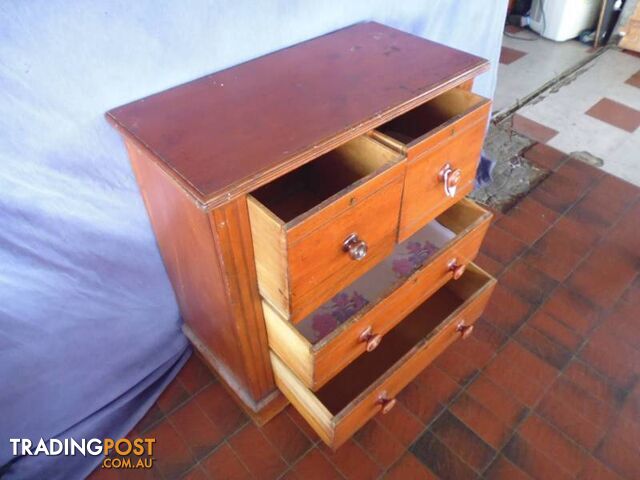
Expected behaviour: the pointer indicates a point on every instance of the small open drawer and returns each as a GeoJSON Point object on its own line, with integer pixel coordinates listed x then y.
{"type": "Point", "coordinates": [318, 228]}
{"type": "Point", "coordinates": [442, 139]}
{"type": "Point", "coordinates": [370, 384]}
{"type": "Point", "coordinates": [354, 322]}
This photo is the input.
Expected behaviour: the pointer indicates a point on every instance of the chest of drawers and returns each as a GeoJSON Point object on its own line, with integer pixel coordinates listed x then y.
{"type": "Point", "coordinates": [309, 207]}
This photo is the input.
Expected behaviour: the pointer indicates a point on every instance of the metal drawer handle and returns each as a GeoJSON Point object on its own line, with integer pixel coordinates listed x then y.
{"type": "Point", "coordinates": [450, 178]}
{"type": "Point", "coordinates": [357, 248]}
{"type": "Point", "coordinates": [372, 339]}
{"type": "Point", "coordinates": [456, 268]}
{"type": "Point", "coordinates": [386, 402]}
{"type": "Point", "coordinates": [464, 329]}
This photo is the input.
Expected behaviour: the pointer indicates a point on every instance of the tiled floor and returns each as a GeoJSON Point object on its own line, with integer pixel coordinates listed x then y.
{"type": "Point", "coordinates": [525, 66]}
{"type": "Point", "coordinates": [548, 387]}
{"type": "Point", "coordinates": [597, 111]}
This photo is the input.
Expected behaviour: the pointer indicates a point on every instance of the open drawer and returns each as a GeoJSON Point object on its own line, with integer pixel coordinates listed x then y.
{"type": "Point", "coordinates": [442, 139]}
{"type": "Point", "coordinates": [354, 322]}
{"type": "Point", "coordinates": [320, 227]}
{"type": "Point", "coordinates": [369, 384]}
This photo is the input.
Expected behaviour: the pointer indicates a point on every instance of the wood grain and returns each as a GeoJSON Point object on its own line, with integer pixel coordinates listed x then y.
{"type": "Point", "coordinates": [346, 403]}
{"type": "Point", "coordinates": [290, 345]}
{"type": "Point", "coordinates": [450, 130]}
{"type": "Point", "coordinates": [271, 254]}
{"type": "Point", "coordinates": [424, 197]}
{"type": "Point", "coordinates": [298, 241]}
{"type": "Point", "coordinates": [212, 280]}
{"type": "Point", "coordinates": [432, 123]}
{"type": "Point", "coordinates": [233, 240]}
{"type": "Point", "coordinates": [211, 134]}
{"type": "Point", "coordinates": [318, 266]}
{"type": "Point", "coordinates": [316, 364]}
{"type": "Point", "coordinates": [254, 176]}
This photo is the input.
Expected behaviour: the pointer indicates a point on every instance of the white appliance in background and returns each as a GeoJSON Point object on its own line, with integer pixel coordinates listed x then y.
{"type": "Point", "coordinates": [561, 20]}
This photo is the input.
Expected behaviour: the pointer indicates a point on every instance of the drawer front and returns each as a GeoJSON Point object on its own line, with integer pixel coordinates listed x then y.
{"type": "Point", "coordinates": [479, 113]}
{"type": "Point", "coordinates": [300, 222]}
{"type": "Point", "coordinates": [335, 424]}
{"type": "Point", "coordinates": [320, 265]}
{"type": "Point", "coordinates": [333, 356]}
{"type": "Point", "coordinates": [440, 177]}
{"type": "Point", "coordinates": [316, 360]}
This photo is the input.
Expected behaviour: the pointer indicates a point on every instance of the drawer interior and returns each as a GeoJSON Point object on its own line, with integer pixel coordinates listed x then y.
{"type": "Point", "coordinates": [407, 258]}
{"type": "Point", "coordinates": [411, 333]}
{"type": "Point", "coordinates": [307, 187]}
{"type": "Point", "coordinates": [437, 112]}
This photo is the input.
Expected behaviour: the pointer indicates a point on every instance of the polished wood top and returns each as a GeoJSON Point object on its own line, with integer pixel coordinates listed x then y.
{"type": "Point", "coordinates": [227, 133]}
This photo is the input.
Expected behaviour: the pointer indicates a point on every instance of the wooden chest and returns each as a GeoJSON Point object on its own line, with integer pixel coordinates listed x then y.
{"type": "Point", "coordinates": [309, 207]}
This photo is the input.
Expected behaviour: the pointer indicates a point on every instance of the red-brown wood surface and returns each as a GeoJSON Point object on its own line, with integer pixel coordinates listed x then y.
{"type": "Point", "coordinates": [231, 131]}
{"type": "Point", "coordinates": [209, 259]}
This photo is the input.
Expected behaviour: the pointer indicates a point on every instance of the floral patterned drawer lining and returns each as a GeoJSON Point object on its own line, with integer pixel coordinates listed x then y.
{"type": "Point", "coordinates": [406, 258]}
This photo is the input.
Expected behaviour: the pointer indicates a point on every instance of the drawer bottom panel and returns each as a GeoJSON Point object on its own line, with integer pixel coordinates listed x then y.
{"type": "Point", "coordinates": [369, 385]}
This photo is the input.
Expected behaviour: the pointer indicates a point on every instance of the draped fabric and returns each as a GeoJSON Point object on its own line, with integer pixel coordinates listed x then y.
{"type": "Point", "coordinates": [89, 326]}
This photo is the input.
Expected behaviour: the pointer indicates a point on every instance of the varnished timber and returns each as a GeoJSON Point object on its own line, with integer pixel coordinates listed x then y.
{"type": "Point", "coordinates": [316, 363]}
{"type": "Point", "coordinates": [208, 257]}
{"type": "Point", "coordinates": [233, 241]}
{"type": "Point", "coordinates": [300, 222]}
{"type": "Point", "coordinates": [254, 177]}
{"type": "Point", "coordinates": [448, 130]}
{"type": "Point", "coordinates": [468, 85]}
{"type": "Point", "coordinates": [228, 133]}
{"type": "Point", "coordinates": [346, 403]}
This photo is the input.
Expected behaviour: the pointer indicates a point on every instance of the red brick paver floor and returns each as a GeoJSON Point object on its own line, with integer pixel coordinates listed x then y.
{"type": "Point", "coordinates": [547, 387]}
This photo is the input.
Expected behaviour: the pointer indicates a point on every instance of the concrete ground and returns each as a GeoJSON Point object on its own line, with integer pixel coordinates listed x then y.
{"type": "Point", "coordinates": [596, 110]}
{"type": "Point", "coordinates": [526, 66]}
{"type": "Point", "coordinates": [581, 102]}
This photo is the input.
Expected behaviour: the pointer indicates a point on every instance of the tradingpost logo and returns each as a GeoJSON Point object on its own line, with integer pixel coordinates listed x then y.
{"type": "Point", "coordinates": [123, 453]}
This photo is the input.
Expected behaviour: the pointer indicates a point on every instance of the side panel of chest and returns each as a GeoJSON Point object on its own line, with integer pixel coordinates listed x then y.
{"type": "Point", "coordinates": [209, 260]}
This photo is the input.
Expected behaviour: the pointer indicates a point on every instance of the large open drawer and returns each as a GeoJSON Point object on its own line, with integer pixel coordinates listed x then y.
{"type": "Point", "coordinates": [369, 384]}
{"type": "Point", "coordinates": [355, 321]}
{"type": "Point", "coordinates": [318, 228]}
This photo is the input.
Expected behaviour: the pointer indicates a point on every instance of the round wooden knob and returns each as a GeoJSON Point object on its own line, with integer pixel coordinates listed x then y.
{"type": "Point", "coordinates": [457, 269]}
{"type": "Point", "coordinates": [386, 402]}
{"type": "Point", "coordinates": [372, 339]}
{"type": "Point", "coordinates": [356, 247]}
{"type": "Point", "coordinates": [465, 330]}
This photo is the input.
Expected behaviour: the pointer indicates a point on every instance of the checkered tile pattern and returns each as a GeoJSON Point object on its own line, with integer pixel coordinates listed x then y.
{"type": "Point", "coordinates": [547, 387]}
{"type": "Point", "coordinates": [510, 55]}
{"type": "Point", "coordinates": [595, 110]}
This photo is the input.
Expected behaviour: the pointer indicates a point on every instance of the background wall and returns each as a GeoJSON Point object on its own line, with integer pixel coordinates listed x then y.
{"type": "Point", "coordinates": [89, 328]}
